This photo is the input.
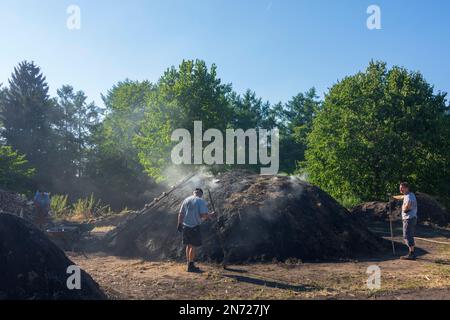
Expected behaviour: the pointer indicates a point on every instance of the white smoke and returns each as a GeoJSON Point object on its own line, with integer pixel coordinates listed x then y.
{"type": "Point", "coordinates": [202, 177]}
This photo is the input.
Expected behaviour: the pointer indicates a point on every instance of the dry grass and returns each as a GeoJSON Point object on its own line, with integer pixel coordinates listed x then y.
{"type": "Point", "coordinates": [102, 229]}
{"type": "Point", "coordinates": [137, 279]}
{"type": "Point", "coordinates": [426, 278]}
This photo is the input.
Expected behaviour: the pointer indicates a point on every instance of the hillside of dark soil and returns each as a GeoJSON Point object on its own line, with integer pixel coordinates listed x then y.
{"type": "Point", "coordinates": [259, 218]}
{"type": "Point", "coordinates": [14, 203]}
{"type": "Point", "coordinates": [429, 210]}
{"type": "Point", "coordinates": [33, 267]}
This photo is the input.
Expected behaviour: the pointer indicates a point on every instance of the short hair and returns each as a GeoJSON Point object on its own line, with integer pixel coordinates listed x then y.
{"type": "Point", "coordinates": [198, 190]}
{"type": "Point", "coordinates": [404, 184]}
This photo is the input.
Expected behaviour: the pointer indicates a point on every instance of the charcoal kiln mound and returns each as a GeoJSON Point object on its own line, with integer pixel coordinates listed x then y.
{"type": "Point", "coordinates": [14, 203]}
{"type": "Point", "coordinates": [259, 218]}
{"type": "Point", "coordinates": [32, 267]}
{"type": "Point", "coordinates": [429, 210]}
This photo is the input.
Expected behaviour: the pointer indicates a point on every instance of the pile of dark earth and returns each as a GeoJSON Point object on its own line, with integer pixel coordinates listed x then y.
{"type": "Point", "coordinates": [429, 211]}
{"type": "Point", "coordinates": [33, 267]}
{"type": "Point", "coordinates": [14, 203]}
{"type": "Point", "coordinates": [260, 218]}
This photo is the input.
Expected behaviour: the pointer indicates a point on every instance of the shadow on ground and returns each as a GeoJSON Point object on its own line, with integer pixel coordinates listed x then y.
{"type": "Point", "coordinates": [271, 284]}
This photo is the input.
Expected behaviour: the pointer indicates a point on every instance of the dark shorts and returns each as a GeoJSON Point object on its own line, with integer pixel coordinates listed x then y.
{"type": "Point", "coordinates": [41, 216]}
{"type": "Point", "coordinates": [409, 230]}
{"type": "Point", "coordinates": [192, 236]}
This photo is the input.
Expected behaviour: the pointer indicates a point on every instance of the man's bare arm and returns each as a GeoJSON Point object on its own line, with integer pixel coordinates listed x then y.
{"type": "Point", "coordinates": [180, 217]}
{"type": "Point", "coordinates": [207, 216]}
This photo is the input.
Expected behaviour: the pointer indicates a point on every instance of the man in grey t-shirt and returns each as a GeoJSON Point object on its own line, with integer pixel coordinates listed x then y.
{"type": "Point", "coordinates": [192, 212]}
{"type": "Point", "coordinates": [409, 217]}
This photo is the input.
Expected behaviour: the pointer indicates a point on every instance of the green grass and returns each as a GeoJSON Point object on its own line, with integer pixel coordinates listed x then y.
{"type": "Point", "coordinates": [81, 209]}
{"type": "Point", "coordinates": [350, 202]}
{"type": "Point", "coordinates": [60, 205]}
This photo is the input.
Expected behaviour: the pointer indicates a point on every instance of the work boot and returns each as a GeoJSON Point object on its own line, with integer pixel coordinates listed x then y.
{"type": "Point", "coordinates": [409, 256]}
{"type": "Point", "coordinates": [192, 267]}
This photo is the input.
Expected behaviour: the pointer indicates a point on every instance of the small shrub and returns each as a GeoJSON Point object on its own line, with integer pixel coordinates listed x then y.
{"type": "Point", "coordinates": [89, 208]}
{"type": "Point", "coordinates": [59, 205]}
{"type": "Point", "coordinates": [82, 209]}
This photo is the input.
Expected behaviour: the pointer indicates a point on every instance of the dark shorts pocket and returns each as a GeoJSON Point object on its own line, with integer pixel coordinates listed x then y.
{"type": "Point", "coordinates": [192, 236]}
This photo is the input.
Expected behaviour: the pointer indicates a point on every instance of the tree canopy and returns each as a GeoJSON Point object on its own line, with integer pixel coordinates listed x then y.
{"type": "Point", "coordinates": [377, 128]}
{"type": "Point", "coordinates": [14, 170]}
{"type": "Point", "coordinates": [27, 115]}
{"type": "Point", "coordinates": [372, 130]}
{"type": "Point", "coordinates": [184, 95]}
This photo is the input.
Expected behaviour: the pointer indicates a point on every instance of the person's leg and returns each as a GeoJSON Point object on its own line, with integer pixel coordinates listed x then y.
{"type": "Point", "coordinates": [412, 233]}
{"type": "Point", "coordinates": [408, 235]}
{"type": "Point", "coordinates": [39, 221]}
{"type": "Point", "coordinates": [192, 254]}
{"type": "Point", "coordinates": [188, 250]}
{"type": "Point", "coordinates": [44, 219]}
{"type": "Point", "coordinates": [193, 239]}
{"type": "Point", "coordinates": [187, 241]}
{"type": "Point", "coordinates": [405, 237]}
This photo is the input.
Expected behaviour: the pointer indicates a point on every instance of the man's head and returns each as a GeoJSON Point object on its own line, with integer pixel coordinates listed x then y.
{"type": "Point", "coordinates": [404, 187]}
{"type": "Point", "coordinates": [198, 192]}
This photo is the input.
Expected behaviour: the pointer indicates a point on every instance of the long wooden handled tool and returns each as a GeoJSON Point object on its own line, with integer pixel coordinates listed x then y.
{"type": "Point", "coordinates": [390, 224]}
{"type": "Point", "coordinates": [212, 201]}
{"type": "Point", "coordinates": [219, 235]}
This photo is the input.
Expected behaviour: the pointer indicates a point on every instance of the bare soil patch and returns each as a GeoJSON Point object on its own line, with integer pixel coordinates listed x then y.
{"type": "Point", "coordinates": [426, 278]}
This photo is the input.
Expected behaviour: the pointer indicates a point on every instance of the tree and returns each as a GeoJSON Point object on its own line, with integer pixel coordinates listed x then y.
{"type": "Point", "coordinates": [184, 95]}
{"type": "Point", "coordinates": [14, 170]}
{"type": "Point", "coordinates": [113, 164]}
{"type": "Point", "coordinates": [377, 128]}
{"type": "Point", "coordinates": [2, 102]}
{"type": "Point", "coordinates": [125, 108]}
{"type": "Point", "coordinates": [249, 111]}
{"type": "Point", "coordinates": [298, 115]}
{"type": "Point", "coordinates": [76, 120]}
{"type": "Point", "coordinates": [27, 114]}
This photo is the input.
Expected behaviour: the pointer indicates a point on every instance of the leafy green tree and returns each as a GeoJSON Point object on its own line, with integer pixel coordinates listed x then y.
{"type": "Point", "coordinates": [125, 108]}
{"type": "Point", "coordinates": [14, 170]}
{"type": "Point", "coordinates": [376, 128]}
{"type": "Point", "coordinates": [184, 95]}
{"type": "Point", "coordinates": [26, 114]}
{"type": "Point", "coordinates": [113, 165]}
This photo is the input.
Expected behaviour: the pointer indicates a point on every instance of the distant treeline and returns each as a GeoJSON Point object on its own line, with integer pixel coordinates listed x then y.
{"type": "Point", "coordinates": [372, 130]}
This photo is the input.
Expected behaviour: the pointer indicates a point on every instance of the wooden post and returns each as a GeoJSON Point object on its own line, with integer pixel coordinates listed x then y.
{"type": "Point", "coordinates": [390, 224]}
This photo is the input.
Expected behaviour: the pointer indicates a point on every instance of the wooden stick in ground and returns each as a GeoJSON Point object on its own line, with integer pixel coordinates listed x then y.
{"type": "Point", "coordinates": [390, 224]}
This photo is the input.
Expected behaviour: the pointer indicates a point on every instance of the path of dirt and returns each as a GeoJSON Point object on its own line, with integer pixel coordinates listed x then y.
{"type": "Point", "coordinates": [426, 278]}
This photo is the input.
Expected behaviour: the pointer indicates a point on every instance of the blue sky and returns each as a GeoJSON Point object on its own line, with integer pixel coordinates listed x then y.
{"type": "Point", "coordinates": [276, 48]}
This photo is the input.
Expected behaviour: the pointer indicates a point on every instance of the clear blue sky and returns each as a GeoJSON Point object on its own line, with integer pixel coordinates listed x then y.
{"type": "Point", "coordinates": [276, 48]}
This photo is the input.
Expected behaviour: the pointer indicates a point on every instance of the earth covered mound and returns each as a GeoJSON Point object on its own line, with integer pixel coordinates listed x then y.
{"type": "Point", "coordinates": [14, 203]}
{"type": "Point", "coordinates": [429, 210]}
{"type": "Point", "coordinates": [259, 218]}
{"type": "Point", "coordinates": [33, 267]}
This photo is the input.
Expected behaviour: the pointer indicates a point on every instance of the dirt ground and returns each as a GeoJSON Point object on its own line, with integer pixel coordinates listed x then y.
{"type": "Point", "coordinates": [426, 278]}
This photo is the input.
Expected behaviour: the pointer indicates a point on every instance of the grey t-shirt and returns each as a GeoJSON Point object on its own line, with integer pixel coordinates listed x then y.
{"type": "Point", "coordinates": [412, 213]}
{"type": "Point", "coordinates": [193, 207]}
